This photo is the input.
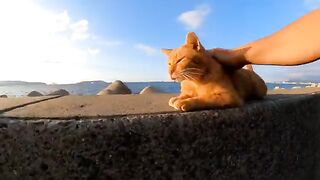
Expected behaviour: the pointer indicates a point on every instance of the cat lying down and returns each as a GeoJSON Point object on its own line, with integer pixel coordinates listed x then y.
{"type": "Point", "coordinates": [207, 84]}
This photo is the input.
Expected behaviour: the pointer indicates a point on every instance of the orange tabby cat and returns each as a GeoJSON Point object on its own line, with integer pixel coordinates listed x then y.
{"type": "Point", "coordinates": [206, 84]}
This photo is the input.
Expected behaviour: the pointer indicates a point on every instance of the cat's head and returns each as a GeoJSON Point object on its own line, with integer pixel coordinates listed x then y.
{"type": "Point", "coordinates": [189, 61]}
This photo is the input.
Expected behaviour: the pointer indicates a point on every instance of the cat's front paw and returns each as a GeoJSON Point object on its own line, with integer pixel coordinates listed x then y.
{"type": "Point", "coordinates": [182, 105]}
{"type": "Point", "coordinates": [172, 100]}
{"type": "Point", "coordinates": [186, 107]}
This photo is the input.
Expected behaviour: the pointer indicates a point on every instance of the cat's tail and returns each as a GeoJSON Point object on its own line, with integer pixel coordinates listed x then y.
{"type": "Point", "coordinates": [248, 67]}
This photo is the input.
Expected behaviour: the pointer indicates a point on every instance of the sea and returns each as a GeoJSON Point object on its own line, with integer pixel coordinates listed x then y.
{"type": "Point", "coordinates": [93, 87]}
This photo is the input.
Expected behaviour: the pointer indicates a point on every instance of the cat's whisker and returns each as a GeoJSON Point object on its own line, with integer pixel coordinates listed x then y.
{"type": "Point", "coordinates": [193, 69]}
{"type": "Point", "coordinates": [185, 77]}
{"type": "Point", "coordinates": [181, 74]}
{"type": "Point", "coordinates": [190, 73]}
{"type": "Point", "coordinates": [189, 77]}
{"type": "Point", "coordinates": [195, 73]}
{"type": "Point", "coordinates": [198, 72]}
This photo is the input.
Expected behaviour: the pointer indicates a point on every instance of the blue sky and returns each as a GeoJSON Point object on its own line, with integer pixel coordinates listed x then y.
{"type": "Point", "coordinates": [70, 41]}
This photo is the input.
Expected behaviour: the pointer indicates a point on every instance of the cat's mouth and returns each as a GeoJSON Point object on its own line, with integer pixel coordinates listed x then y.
{"type": "Point", "coordinates": [192, 74]}
{"type": "Point", "coordinates": [179, 79]}
{"type": "Point", "coordinates": [176, 78]}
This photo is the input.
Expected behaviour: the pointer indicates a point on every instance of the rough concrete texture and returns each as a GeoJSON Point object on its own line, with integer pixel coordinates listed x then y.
{"type": "Point", "coordinates": [95, 106]}
{"type": "Point", "coordinates": [274, 139]}
{"type": "Point", "coordinates": [99, 106]}
{"type": "Point", "coordinates": [7, 104]}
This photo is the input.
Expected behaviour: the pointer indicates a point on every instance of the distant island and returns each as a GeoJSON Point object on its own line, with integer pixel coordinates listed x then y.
{"type": "Point", "coordinates": [306, 78]}
{"type": "Point", "coordinates": [25, 83]}
{"type": "Point", "coordinates": [85, 83]}
{"type": "Point", "coordinates": [15, 83]}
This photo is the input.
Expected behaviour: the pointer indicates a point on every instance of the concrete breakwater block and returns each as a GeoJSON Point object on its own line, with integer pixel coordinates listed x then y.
{"type": "Point", "coordinates": [273, 139]}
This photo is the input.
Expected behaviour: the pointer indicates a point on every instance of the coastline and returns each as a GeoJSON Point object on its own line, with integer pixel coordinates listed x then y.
{"type": "Point", "coordinates": [93, 87]}
{"type": "Point", "coordinates": [305, 90]}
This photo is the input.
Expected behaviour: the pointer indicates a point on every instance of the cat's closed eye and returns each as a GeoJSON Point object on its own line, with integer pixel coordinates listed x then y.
{"type": "Point", "coordinates": [179, 60]}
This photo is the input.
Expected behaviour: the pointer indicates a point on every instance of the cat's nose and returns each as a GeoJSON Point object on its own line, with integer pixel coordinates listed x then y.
{"type": "Point", "coordinates": [173, 76]}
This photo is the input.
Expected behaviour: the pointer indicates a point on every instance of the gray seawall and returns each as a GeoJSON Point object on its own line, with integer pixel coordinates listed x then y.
{"type": "Point", "coordinates": [273, 139]}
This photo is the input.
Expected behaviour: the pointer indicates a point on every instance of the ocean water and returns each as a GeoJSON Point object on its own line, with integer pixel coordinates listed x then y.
{"type": "Point", "coordinates": [92, 88]}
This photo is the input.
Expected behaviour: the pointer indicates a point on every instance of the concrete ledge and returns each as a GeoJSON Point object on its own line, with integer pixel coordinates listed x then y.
{"type": "Point", "coordinates": [69, 107]}
{"type": "Point", "coordinates": [8, 104]}
{"type": "Point", "coordinates": [273, 139]}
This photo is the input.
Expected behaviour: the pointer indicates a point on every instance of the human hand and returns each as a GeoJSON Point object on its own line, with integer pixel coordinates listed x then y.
{"type": "Point", "coordinates": [232, 58]}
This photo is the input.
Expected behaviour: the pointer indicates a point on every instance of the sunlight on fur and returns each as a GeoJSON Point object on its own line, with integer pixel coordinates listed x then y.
{"type": "Point", "coordinates": [207, 84]}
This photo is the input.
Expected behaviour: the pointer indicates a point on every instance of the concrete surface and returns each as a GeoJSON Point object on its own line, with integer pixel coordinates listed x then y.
{"type": "Point", "coordinates": [7, 104]}
{"type": "Point", "coordinates": [95, 106]}
{"type": "Point", "coordinates": [101, 106]}
{"type": "Point", "coordinates": [79, 137]}
{"type": "Point", "coordinates": [273, 139]}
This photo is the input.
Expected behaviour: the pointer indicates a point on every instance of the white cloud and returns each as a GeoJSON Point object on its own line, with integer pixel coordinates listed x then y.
{"type": "Point", "coordinates": [80, 30]}
{"type": "Point", "coordinates": [93, 51]}
{"type": "Point", "coordinates": [62, 21]}
{"type": "Point", "coordinates": [312, 4]}
{"type": "Point", "coordinates": [193, 19]}
{"type": "Point", "coordinates": [37, 44]}
{"type": "Point", "coordinates": [150, 51]}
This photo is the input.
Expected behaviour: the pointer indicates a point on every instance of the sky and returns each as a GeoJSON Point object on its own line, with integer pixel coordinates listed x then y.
{"type": "Point", "coordinates": [60, 41]}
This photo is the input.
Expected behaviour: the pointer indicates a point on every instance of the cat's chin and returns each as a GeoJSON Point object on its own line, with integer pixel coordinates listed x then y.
{"type": "Point", "coordinates": [179, 80]}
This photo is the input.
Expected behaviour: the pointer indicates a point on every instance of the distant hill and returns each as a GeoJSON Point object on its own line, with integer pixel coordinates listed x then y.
{"type": "Point", "coordinates": [314, 79]}
{"type": "Point", "coordinates": [83, 83]}
{"type": "Point", "coordinates": [15, 83]}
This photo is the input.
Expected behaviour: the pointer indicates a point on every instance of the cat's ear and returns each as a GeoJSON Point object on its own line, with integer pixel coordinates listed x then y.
{"type": "Point", "coordinates": [193, 40]}
{"type": "Point", "coordinates": [166, 51]}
